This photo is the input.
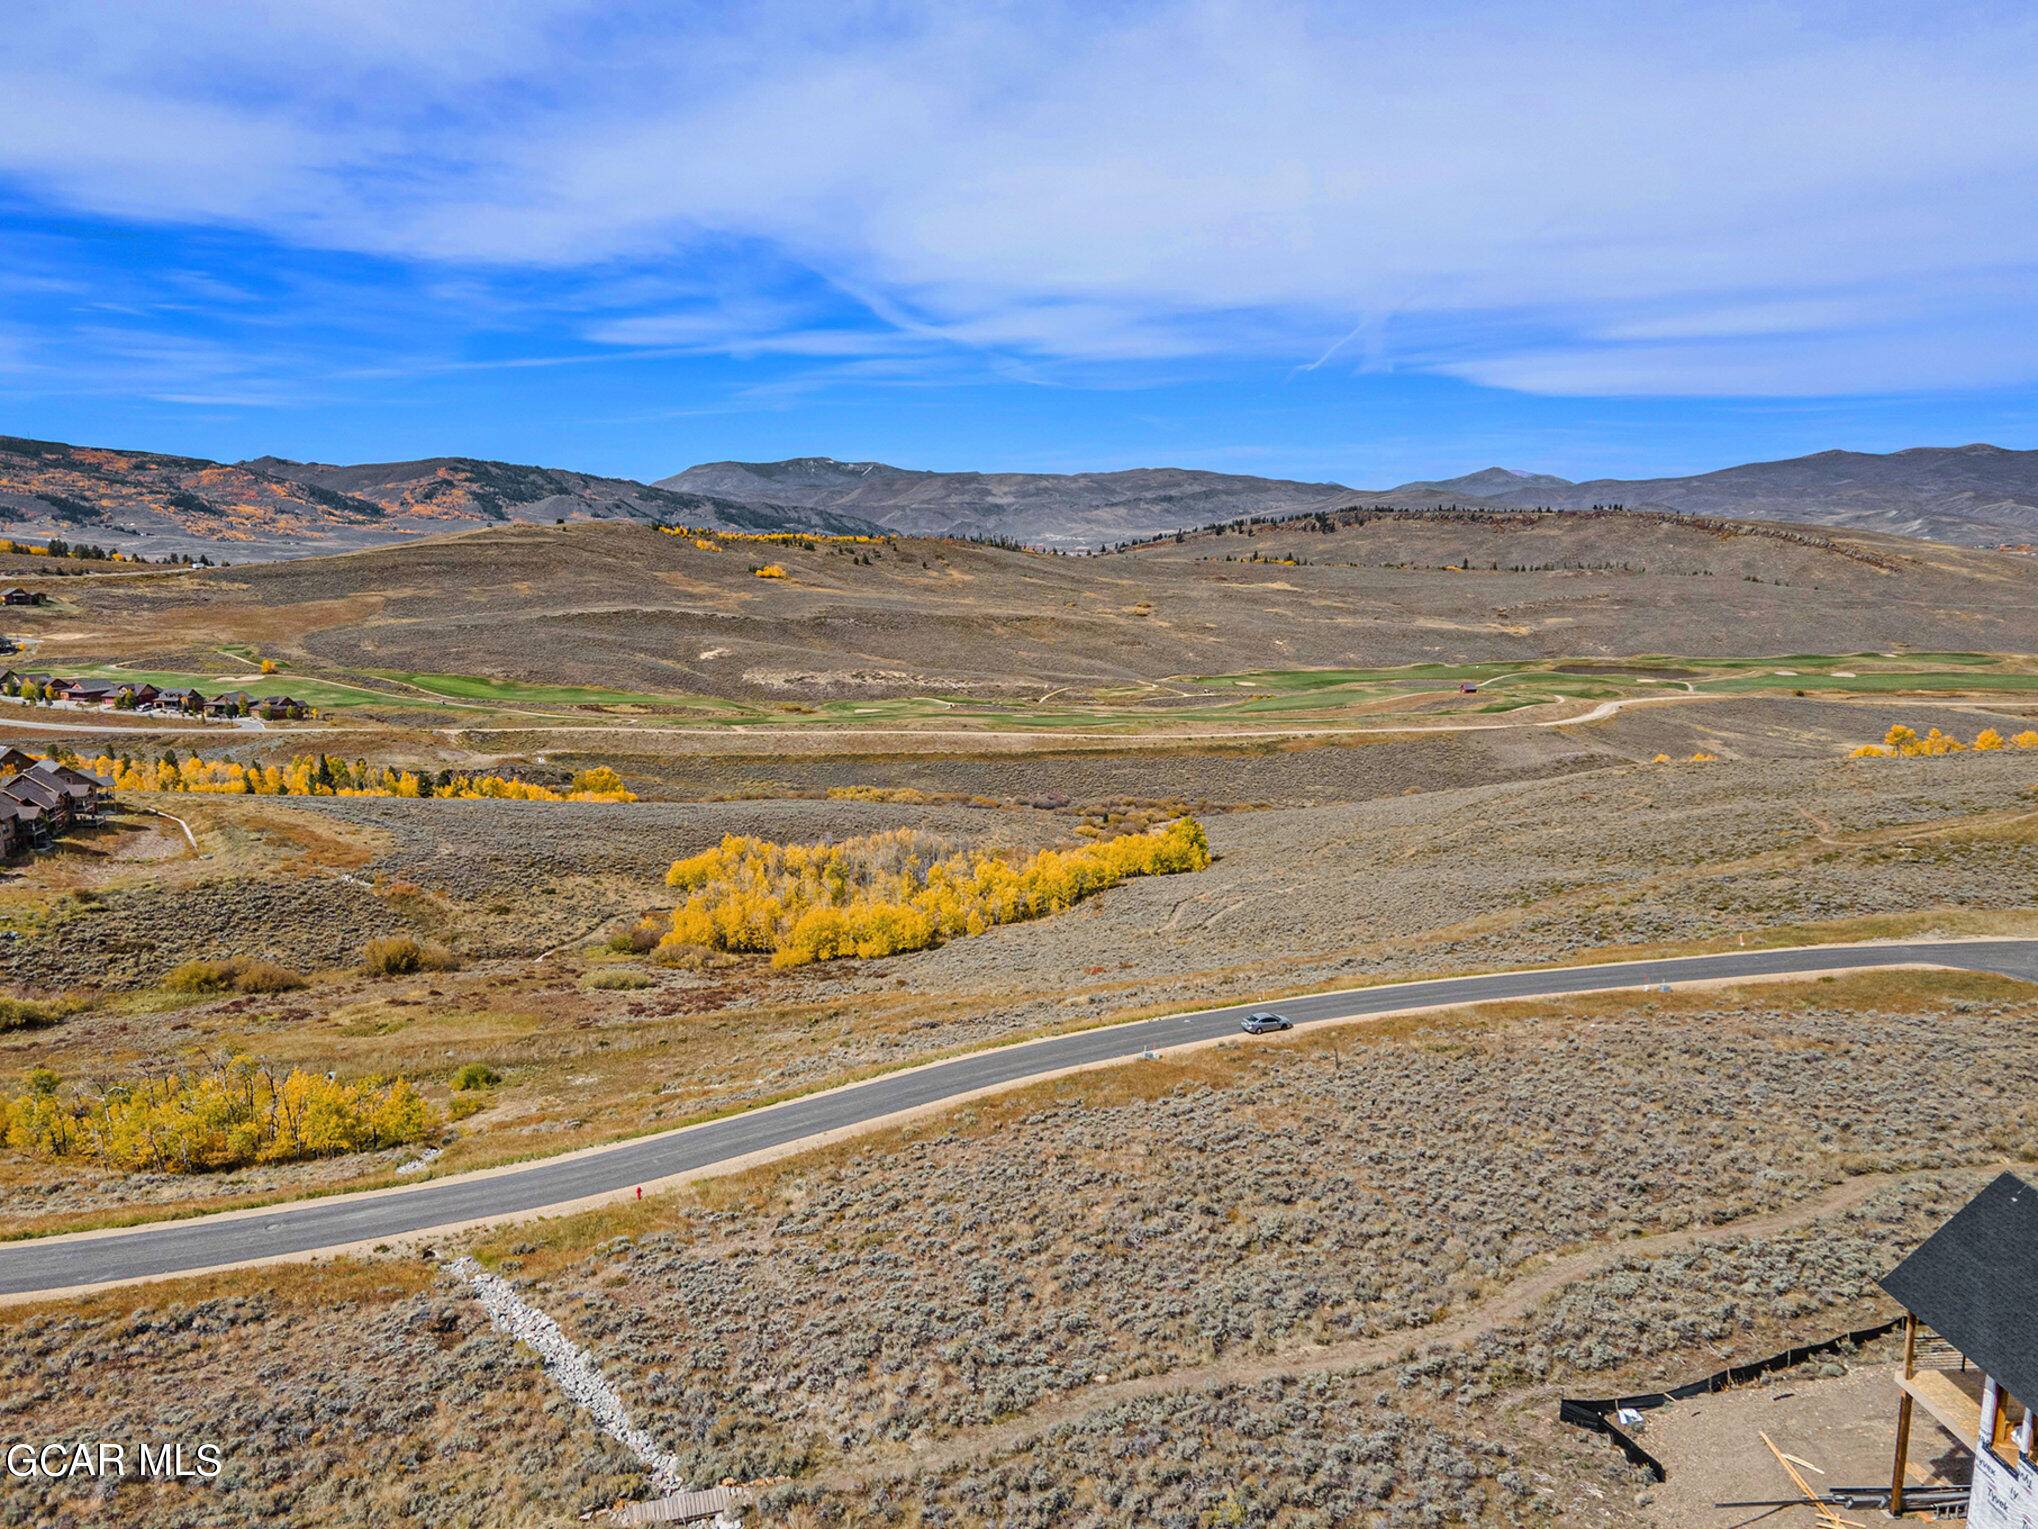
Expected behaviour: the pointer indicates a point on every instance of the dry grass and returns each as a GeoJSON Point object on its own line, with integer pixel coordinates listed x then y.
{"type": "Point", "coordinates": [1227, 1213]}
{"type": "Point", "coordinates": [1471, 879]}
{"type": "Point", "coordinates": [539, 603]}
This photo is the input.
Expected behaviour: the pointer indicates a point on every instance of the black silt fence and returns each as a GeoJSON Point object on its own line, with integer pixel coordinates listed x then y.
{"type": "Point", "coordinates": [1597, 1413]}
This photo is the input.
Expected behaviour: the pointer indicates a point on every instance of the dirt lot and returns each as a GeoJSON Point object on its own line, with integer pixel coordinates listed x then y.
{"type": "Point", "coordinates": [1338, 1279]}
{"type": "Point", "coordinates": [1838, 1413]}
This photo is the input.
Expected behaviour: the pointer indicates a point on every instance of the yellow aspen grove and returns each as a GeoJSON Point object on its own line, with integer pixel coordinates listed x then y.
{"type": "Point", "coordinates": [883, 893]}
{"type": "Point", "coordinates": [1904, 742]}
{"type": "Point", "coordinates": [330, 775]}
{"type": "Point", "coordinates": [236, 1113]}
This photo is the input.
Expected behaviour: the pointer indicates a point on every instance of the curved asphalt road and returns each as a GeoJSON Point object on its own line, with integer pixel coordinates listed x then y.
{"type": "Point", "coordinates": [189, 1246]}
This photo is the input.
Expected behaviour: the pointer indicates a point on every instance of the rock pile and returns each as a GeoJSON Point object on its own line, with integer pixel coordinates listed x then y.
{"type": "Point", "coordinates": [571, 1368]}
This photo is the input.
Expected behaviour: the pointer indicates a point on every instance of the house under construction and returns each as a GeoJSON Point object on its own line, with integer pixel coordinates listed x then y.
{"type": "Point", "coordinates": [1972, 1283]}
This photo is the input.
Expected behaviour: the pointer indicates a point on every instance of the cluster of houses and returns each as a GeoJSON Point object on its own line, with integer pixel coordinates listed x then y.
{"type": "Point", "coordinates": [131, 695]}
{"type": "Point", "coordinates": [40, 799]}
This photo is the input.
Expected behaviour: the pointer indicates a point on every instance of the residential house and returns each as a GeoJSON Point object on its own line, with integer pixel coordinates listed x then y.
{"type": "Point", "coordinates": [275, 707]}
{"type": "Point", "coordinates": [84, 692]}
{"type": "Point", "coordinates": [16, 595]}
{"type": "Point", "coordinates": [23, 827]}
{"type": "Point", "coordinates": [86, 792]}
{"type": "Point", "coordinates": [231, 703]}
{"type": "Point", "coordinates": [13, 760]}
{"type": "Point", "coordinates": [138, 695]}
{"type": "Point", "coordinates": [30, 791]}
{"type": "Point", "coordinates": [179, 699]}
{"type": "Point", "coordinates": [1970, 1283]}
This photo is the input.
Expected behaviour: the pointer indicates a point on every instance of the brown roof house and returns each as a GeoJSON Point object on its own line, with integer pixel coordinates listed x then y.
{"type": "Point", "coordinates": [16, 829]}
{"type": "Point", "coordinates": [85, 792]}
{"type": "Point", "coordinates": [89, 692]}
{"type": "Point", "coordinates": [30, 791]}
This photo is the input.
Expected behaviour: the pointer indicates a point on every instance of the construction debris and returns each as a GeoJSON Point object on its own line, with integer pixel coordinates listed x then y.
{"type": "Point", "coordinates": [1829, 1517]}
{"type": "Point", "coordinates": [722, 1505]}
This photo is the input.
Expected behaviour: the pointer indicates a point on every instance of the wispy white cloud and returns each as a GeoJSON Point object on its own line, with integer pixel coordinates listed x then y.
{"type": "Point", "coordinates": [1698, 198]}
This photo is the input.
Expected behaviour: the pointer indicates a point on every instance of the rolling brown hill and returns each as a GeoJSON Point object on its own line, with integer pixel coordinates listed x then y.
{"type": "Point", "coordinates": [1066, 510]}
{"type": "Point", "coordinates": [269, 507]}
{"type": "Point", "coordinates": [626, 607]}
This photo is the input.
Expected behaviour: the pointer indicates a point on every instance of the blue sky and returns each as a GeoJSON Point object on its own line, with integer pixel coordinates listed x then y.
{"type": "Point", "coordinates": [1358, 242]}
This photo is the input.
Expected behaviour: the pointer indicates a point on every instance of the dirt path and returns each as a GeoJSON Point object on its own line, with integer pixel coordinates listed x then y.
{"type": "Point", "coordinates": [1514, 1299]}
{"type": "Point", "coordinates": [1907, 833]}
{"type": "Point", "coordinates": [189, 837]}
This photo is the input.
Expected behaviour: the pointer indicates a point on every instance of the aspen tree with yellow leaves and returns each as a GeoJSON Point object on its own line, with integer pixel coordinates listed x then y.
{"type": "Point", "coordinates": [237, 1112]}
{"type": "Point", "coordinates": [330, 775]}
{"type": "Point", "coordinates": [883, 893]}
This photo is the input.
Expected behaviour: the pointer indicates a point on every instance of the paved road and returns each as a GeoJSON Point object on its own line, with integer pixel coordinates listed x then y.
{"type": "Point", "coordinates": [189, 1246]}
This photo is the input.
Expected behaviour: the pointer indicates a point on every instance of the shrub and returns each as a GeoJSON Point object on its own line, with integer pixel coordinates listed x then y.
{"type": "Point", "coordinates": [688, 958]}
{"type": "Point", "coordinates": [200, 977]}
{"type": "Point", "coordinates": [624, 980]}
{"type": "Point", "coordinates": [475, 1075]}
{"type": "Point", "coordinates": [466, 1105]}
{"type": "Point", "coordinates": [399, 955]}
{"type": "Point", "coordinates": [252, 976]}
{"type": "Point", "coordinates": [26, 1014]}
{"type": "Point", "coordinates": [236, 974]}
{"type": "Point", "coordinates": [639, 939]}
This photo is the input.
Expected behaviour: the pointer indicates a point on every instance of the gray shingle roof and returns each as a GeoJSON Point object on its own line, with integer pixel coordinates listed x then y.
{"type": "Point", "coordinates": [1971, 1281]}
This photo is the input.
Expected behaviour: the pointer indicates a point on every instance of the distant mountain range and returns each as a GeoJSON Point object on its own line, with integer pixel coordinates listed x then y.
{"type": "Point", "coordinates": [271, 507]}
{"type": "Point", "coordinates": [1977, 495]}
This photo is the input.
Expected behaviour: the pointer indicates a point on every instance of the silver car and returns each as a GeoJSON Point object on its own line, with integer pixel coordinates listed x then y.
{"type": "Point", "coordinates": [1262, 1022]}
